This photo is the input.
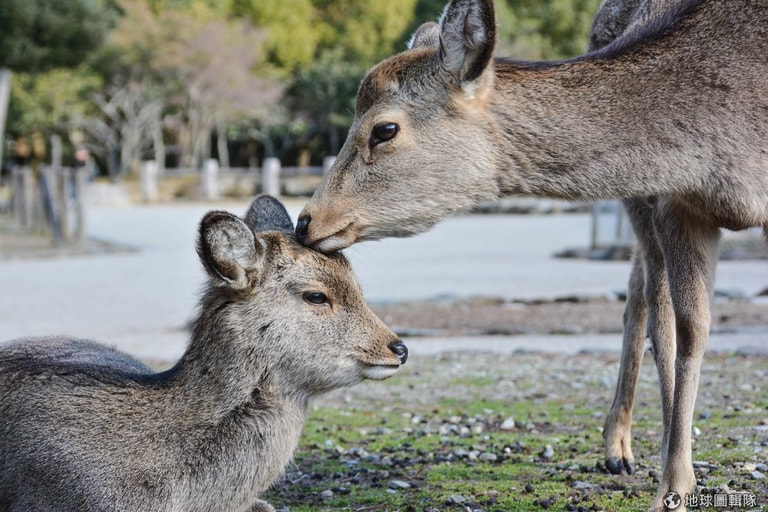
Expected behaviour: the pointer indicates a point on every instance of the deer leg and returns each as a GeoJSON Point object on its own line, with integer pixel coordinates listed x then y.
{"type": "Point", "coordinates": [690, 251]}
{"type": "Point", "coordinates": [617, 430]}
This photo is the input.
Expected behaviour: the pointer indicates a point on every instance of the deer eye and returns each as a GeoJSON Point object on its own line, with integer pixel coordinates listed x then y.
{"type": "Point", "coordinates": [383, 132]}
{"type": "Point", "coordinates": [316, 298]}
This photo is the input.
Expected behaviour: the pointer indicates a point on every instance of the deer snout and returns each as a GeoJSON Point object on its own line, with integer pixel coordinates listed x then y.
{"type": "Point", "coordinates": [302, 228]}
{"type": "Point", "coordinates": [400, 350]}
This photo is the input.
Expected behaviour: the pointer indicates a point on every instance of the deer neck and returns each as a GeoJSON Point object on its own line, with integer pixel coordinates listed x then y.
{"type": "Point", "coordinates": [580, 130]}
{"type": "Point", "coordinates": [216, 376]}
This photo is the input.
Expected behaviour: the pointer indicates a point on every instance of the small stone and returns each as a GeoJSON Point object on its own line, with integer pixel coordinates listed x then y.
{"type": "Point", "coordinates": [508, 424]}
{"type": "Point", "coordinates": [487, 457]}
{"type": "Point", "coordinates": [548, 452]}
{"type": "Point", "coordinates": [327, 494]}
{"type": "Point", "coordinates": [756, 475]}
{"type": "Point", "coordinates": [582, 486]}
{"type": "Point", "coordinates": [399, 484]}
{"type": "Point", "coordinates": [456, 499]}
{"type": "Point", "coordinates": [696, 431]}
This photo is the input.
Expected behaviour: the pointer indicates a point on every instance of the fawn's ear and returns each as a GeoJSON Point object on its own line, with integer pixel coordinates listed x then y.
{"type": "Point", "coordinates": [228, 248]}
{"type": "Point", "coordinates": [467, 38]}
{"type": "Point", "coordinates": [426, 36]}
{"type": "Point", "coordinates": [268, 214]}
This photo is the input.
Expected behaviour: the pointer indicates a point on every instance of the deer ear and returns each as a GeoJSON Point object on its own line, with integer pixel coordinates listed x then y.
{"type": "Point", "coordinates": [467, 38]}
{"type": "Point", "coordinates": [268, 214]}
{"type": "Point", "coordinates": [426, 36]}
{"type": "Point", "coordinates": [228, 248]}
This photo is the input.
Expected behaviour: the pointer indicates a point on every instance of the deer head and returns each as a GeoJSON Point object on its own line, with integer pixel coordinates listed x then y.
{"type": "Point", "coordinates": [315, 331]}
{"type": "Point", "coordinates": [419, 146]}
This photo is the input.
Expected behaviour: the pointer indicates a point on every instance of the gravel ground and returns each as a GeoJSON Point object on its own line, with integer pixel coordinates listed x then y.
{"type": "Point", "coordinates": [524, 422]}
{"type": "Point", "coordinates": [520, 422]}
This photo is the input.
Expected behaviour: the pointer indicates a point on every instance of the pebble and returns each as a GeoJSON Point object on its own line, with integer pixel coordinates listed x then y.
{"type": "Point", "coordinates": [757, 475]}
{"type": "Point", "coordinates": [488, 457]}
{"type": "Point", "coordinates": [327, 494]}
{"type": "Point", "coordinates": [548, 452]}
{"type": "Point", "coordinates": [582, 486]}
{"type": "Point", "coordinates": [456, 499]}
{"type": "Point", "coordinates": [696, 431]}
{"type": "Point", "coordinates": [508, 424]}
{"type": "Point", "coordinates": [399, 484]}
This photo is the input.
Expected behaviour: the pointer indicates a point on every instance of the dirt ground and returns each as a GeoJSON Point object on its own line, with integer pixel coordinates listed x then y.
{"type": "Point", "coordinates": [493, 316]}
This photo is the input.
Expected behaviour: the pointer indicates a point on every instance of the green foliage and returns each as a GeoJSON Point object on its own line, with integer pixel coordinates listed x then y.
{"type": "Point", "coordinates": [45, 101]}
{"type": "Point", "coordinates": [291, 26]}
{"type": "Point", "coordinates": [38, 35]}
{"type": "Point", "coordinates": [545, 29]}
{"type": "Point", "coordinates": [323, 93]}
{"type": "Point", "coordinates": [366, 30]}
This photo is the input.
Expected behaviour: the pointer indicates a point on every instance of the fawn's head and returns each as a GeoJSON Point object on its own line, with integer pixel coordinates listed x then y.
{"type": "Point", "coordinates": [298, 311]}
{"type": "Point", "coordinates": [418, 148]}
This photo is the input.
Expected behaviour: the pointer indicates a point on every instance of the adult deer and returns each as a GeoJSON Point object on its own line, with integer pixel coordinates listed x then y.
{"type": "Point", "coordinates": [85, 427]}
{"type": "Point", "coordinates": [672, 116]}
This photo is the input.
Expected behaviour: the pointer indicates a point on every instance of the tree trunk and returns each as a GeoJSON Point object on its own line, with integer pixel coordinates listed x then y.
{"type": "Point", "coordinates": [221, 144]}
{"type": "Point", "coordinates": [158, 143]}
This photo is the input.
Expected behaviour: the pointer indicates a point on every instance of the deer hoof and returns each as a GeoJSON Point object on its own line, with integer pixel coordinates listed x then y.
{"type": "Point", "coordinates": [617, 466]}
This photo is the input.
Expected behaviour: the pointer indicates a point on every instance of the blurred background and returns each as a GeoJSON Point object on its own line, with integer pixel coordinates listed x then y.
{"type": "Point", "coordinates": [179, 82]}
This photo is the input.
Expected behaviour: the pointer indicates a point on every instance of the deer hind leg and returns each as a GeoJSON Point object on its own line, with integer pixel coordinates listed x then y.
{"type": "Point", "coordinates": [617, 430]}
{"type": "Point", "coordinates": [648, 303]}
{"type": "Point", "coordinates": [690, 250]}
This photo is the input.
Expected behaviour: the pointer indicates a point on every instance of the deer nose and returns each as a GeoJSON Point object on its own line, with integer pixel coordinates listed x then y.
{"type": "Point", "coordinates": [400, 350]}
{"type": "Point", "coordinates": [302, 227]}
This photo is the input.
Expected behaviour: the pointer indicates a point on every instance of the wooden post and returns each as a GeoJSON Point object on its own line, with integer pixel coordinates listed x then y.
{"type": "Point", "coordinates": [81, 177]}
{"type": "Point", "coordinates": [53, 202]}
{"type": "Point", "coordinates": [149, 181]}
{"type": "Point", "coordinates": [270, 176]}
{"type": "Point", "coordinates": [23, 196]}
{"type": "Point", "coordinates": [210, 180]}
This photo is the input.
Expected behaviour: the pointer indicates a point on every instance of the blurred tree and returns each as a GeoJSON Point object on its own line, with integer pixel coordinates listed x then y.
{"type": "Point", "coordinates": [186, 73]}
{"type": "Point", "coordinates": [291, 26]}
{"type": "Point", "coordinates": [323, 94]}
{"type": "Point", "coordinates": [39, 35]}
{"type": "Point", "coordinates": [364, 31]}
{"type": "Point", "coordinates": [546, 29]}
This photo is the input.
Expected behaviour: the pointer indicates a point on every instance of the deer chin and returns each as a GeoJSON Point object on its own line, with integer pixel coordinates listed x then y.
{"type": "Point", "coordinates": [379, 371]}
{"type": "Point", "coordinates": [341, 239]}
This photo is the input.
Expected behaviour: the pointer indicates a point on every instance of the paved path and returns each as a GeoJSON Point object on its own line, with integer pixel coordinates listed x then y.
{"type": "Point", "coordinates": [142, 301]}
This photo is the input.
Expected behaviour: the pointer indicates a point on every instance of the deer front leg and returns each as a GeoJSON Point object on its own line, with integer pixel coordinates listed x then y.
{"type": "Point", "coordinates": [690, 251]}
{"type": "Point", "coordinates": [261, 506]}
{"type": "Point", "coordinates": [617, 430]}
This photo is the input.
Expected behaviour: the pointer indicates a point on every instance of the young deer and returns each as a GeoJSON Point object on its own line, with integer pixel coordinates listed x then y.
{"type": "Point", "coordinates": [85, 427]}
{"type": "Point", "coordinates": [672, 116]}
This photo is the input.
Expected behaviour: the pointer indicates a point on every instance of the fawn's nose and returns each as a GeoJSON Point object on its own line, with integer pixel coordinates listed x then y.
{"type": "Point", "coordinates": [400, 350]}
{"type": "Point", "coordinates": [302, 227]}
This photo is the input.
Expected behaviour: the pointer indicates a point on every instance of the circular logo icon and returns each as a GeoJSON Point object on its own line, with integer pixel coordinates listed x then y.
{"type": "Point", "coordinates": [672, 500]}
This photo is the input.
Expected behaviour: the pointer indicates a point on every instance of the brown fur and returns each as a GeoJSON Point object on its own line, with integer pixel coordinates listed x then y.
{"type": "Point", "coordinates": [85, 427]}
{"type": "Point", "coordinates": [671, 116]}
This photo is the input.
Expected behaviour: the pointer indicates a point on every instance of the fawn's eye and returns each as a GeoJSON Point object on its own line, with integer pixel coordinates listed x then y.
{"type": "Point", "coordinates": [316, 298]}
{"type": "Point", "coordinates": [383, 132]}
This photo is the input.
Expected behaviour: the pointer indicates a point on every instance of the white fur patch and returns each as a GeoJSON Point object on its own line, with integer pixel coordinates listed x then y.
{"type": "Point", "coordinates": [379, 372]}
{"type": "Point", "coordinates": [470, 89]}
